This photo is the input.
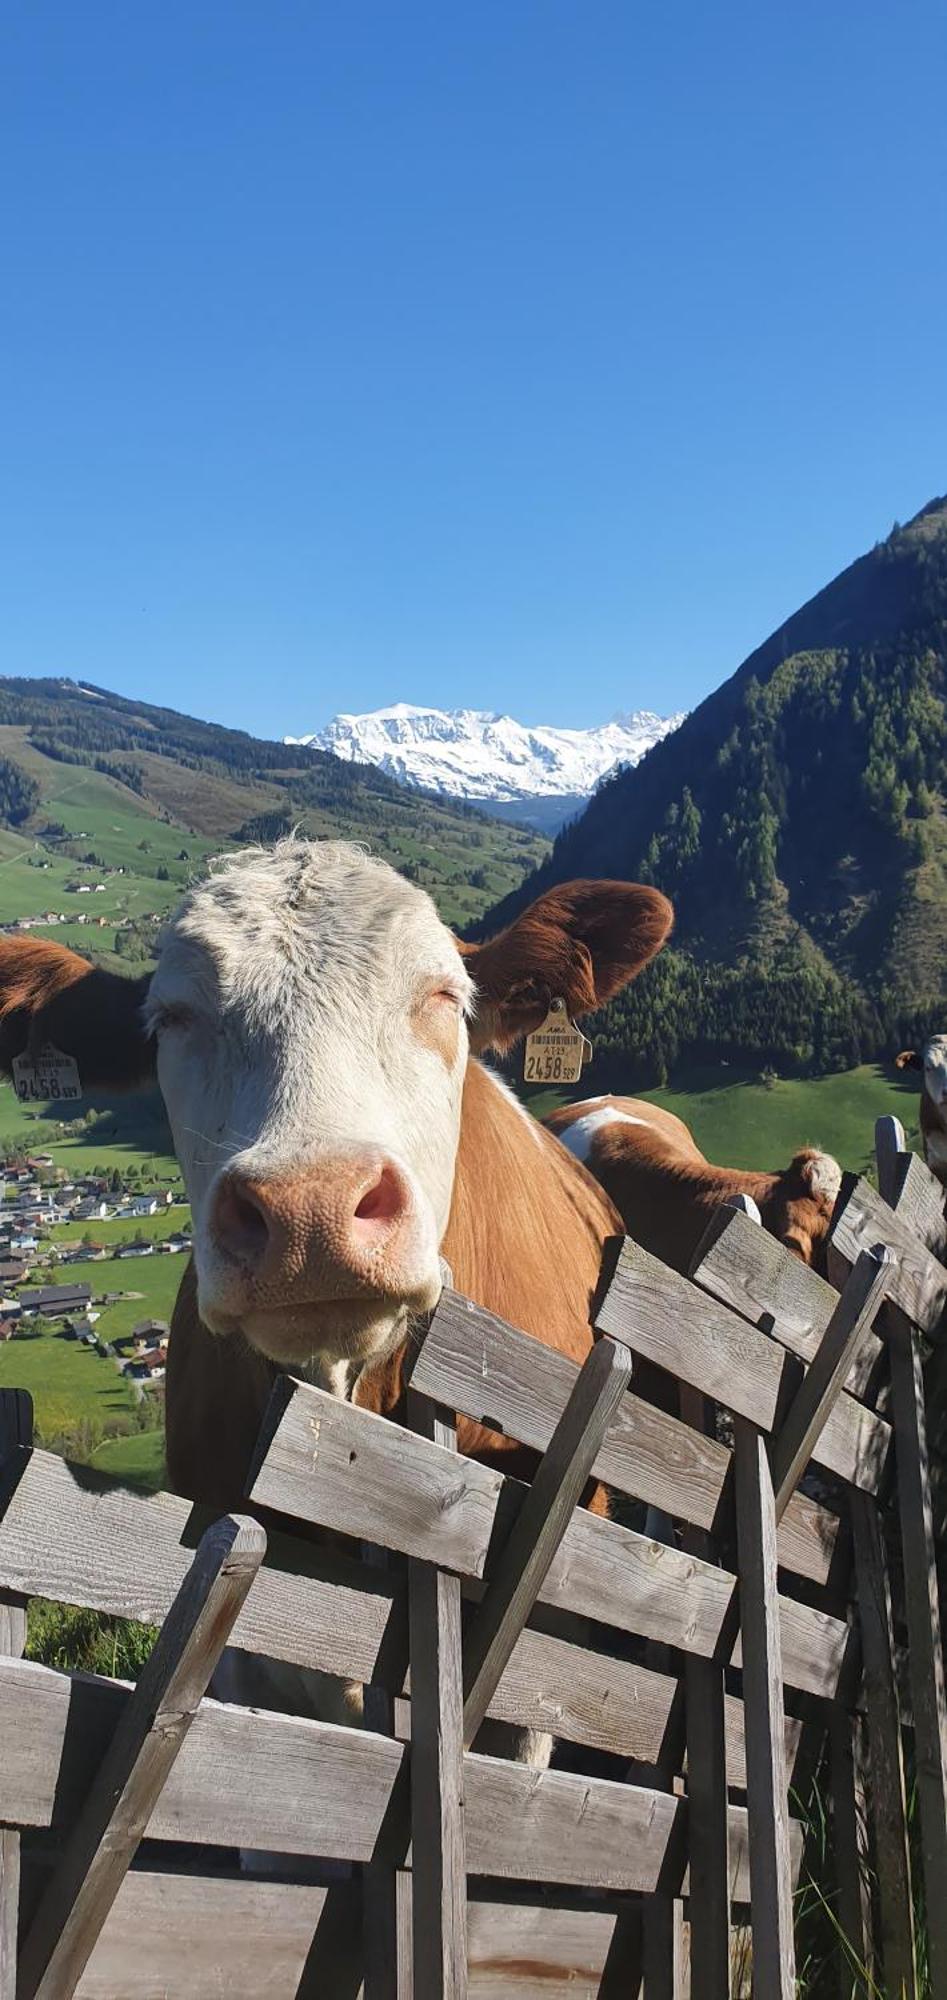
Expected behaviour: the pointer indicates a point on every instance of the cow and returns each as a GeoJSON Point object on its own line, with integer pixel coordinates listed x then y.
{"type": "Point", "coordinates": [931, 1060]}
{"type": "Point", "coordinates": [315, 1030]}
{"type": "Point", "coordinates": [650, 1165]}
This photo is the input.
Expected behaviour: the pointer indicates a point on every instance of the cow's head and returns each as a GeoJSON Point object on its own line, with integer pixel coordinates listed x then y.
{"type": "Point", "coordinates": [799, 1211]}
{"type": "Point", "coordinates": [932, 1061]}
{"type": "Point", "coordinates": [310, 1018]}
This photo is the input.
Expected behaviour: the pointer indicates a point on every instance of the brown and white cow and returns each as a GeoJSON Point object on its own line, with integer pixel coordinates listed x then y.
{"type": "Point", "coordinates": [931, 1060]}
{"type": "Point", "coordinates": [310, 1020]}
{"type": "Point", "coordinates": [650, 1165]}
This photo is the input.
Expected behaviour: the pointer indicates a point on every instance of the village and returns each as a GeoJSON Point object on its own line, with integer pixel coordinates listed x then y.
{"type": "Point", "coordinates": [36, 1295]}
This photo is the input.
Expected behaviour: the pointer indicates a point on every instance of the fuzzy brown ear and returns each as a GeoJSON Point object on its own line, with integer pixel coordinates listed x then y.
{"type": "Point", "coordinates": [908, 1059]}
{"type": "Point", "coordinates": [581, 943]}
{"type": "Point", "coordinates": [49, 994]}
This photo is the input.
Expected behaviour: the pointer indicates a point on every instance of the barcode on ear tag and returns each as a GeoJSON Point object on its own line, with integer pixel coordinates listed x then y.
{"type": "Point", "coordinates": [49, 1074]}
{"type": "Point", "coordinates": [555, 1052]}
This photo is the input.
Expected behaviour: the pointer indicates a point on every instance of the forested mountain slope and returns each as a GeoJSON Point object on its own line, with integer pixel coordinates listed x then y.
{"type": "Point", "coordinates": [798, 820]}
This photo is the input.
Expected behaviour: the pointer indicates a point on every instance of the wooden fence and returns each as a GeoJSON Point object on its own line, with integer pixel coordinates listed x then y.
{"type": "Point", "coordinates": [697, 1684]}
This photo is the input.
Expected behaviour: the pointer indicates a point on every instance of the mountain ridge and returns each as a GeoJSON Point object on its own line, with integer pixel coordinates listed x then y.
{"type": "Point", "coordinates": [485, 757]}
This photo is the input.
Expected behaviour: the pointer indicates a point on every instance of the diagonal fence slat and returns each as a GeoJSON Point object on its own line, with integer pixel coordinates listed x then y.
{"type": "Point", "coordinates": [494, 1374]}
{"type": "Point", "coordinates": [149, 1737]}
{"type": "Point", "coordinates": [601, 1570]}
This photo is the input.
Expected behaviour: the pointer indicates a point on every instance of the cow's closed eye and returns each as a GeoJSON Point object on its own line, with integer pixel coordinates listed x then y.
{"type": "Point", "coordinates": [163, 1018]}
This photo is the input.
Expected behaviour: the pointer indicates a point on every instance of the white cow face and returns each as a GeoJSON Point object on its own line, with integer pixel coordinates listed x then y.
{"type": "Point", "coordinates": [934, 1057]}
{"type": "Point", "coordinates": [309, 1009]}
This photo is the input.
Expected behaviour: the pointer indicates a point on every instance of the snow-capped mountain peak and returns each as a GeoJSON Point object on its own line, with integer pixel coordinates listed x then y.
{"type": "Point", "coordinates": [469, 753]}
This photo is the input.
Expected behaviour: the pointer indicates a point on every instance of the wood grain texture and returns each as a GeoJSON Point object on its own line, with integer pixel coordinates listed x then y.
{"type": "Point", "coordinates": [190, 1938]}
{"type": "Point", "coordinates": [248, 1779]}
{"type": "Point", "coordinates": [766, 1774]}
{"type": "Point", "coordinates": [663, 1317]}
{"type": "Point", "coordinates": [919, 1200]}
{"type": "Point", "coordinates": [888, 1792]}
{"type": "Point", "coordinates": [925, 1643]}
{"type": "Point", "coordinates": [16, 1436]}
{"type": "Point", "coordinates": [123, 1554]}
{"type": "Point", "coordinates": [756, 1276]}
{"type": "Point", "coordinates": [522, 1565]}
{"type": "Point", "coordinates": [475, 1363]}
{"type": "Point", "coordinates": [438, 1840]}
{"type": "Point", "coordinates": [919, 1283]}
{"type": "Point", "coordinates": [667, 1319]}
{"type": "Point", "coordinates": [812, 1406]}
{"type": "Point", "coordinates": [890, 1146]}
{"type": "Point", "coordinates": [151, 1731]}
{"type": "Point", "coordinates": [600, 1570]}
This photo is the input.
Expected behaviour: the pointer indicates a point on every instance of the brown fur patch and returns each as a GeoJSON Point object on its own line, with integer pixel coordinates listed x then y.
{"type": "Point", "coordinates": [50, 994]}
{"type": "Point", "coordinates": [581, 942]}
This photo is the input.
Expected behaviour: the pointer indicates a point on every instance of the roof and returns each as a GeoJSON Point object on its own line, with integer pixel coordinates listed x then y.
{"type": "Point", "coordinates": [57, 1295]}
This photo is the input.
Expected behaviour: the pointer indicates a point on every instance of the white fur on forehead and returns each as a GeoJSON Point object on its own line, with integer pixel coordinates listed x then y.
{"type": "Point", "coordinates": [824, 1176]}
{"type": "Point", "coordinates": [320, 908]}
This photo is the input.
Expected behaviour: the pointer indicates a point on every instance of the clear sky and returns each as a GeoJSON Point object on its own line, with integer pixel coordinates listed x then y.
{"type": "Point", "coordinates": [527, 354]}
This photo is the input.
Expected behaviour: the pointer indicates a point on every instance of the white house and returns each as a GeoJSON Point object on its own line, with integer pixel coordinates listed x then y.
{"type": "Point", "coordinates": [143, 1204]}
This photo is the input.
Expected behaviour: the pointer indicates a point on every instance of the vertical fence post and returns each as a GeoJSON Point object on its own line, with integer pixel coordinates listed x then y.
{"type": "Point", "coordinates": [889, 1145]}
{"type": "Point", "coordinates": [438, 1847]}
{"type": "Point", "coordinates": [707, 1816]}
{"type": "Point", "coordinates": [925, 1645]}
{"type": "Point", "coordinates": [888, 1796]}
{"type": "Point", "coordinates": [774, 1960]}
{"type": "Point", "coordinates": [16, 1429]}
{"type": "Point", "coordinates": [851, 1862]}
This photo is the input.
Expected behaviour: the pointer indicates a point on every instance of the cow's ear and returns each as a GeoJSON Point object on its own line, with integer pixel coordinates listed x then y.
{"type": "Point", "coordinates": [581, 943]}
{"type": "Point", "coordinates": [49, 994]}
{"type": "Point", "coordinates": [908, 1059]}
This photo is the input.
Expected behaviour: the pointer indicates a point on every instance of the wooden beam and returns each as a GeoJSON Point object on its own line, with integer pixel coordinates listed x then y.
{"type": "Point", "coordinates": [919, 1283]}
{"type": "Point", "coordinates": [476, 1363]}
{"type": "Point", "coordinates": [705, 1713]}
{"type": "Point", "coordinates": [809, 1412]}
{"type": "Point", "coordinates": [749, 1271]}
{"type": "Point", "coordinates": [438, 1844]}
{"type": "Point", "coordinates": [16, 1432]}
{"type": "Point", "coordinates": [925, 1643]}
{"type": "Point", "coordinates": [547, 1509]}
{"type": "Point", "coordinates": [856, 1944]}
{"type": "Point", "coordinates": [155, 1722]}
{"type": "Point", "coordinates": [766, 1776]}
{"type": "Point", "coordinates": [890, 1143]}
{"type": "Point", "coordinates": [888, 1793]}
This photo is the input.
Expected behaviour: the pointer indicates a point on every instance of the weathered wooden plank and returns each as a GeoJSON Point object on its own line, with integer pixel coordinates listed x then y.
{"type": "Point", "coordinates": [123, 1554]}
{"type": "Point", "coordinates": [438, 1843]}
{"type": "Point", "coordinates": [767, 1781]}
{"type": "Point", "coordinates": [191, 1937]}
{"type": "Point", "coordinates": [798, 1438]}
{"type": "Point", "coordinates": [600, 1570]}
{"type": "Point", "coordinates": [475, 1363]}
{"type": "Point", "coordinates": [663, 1317]}
{"type": "Point", "coordinates": [890, 1145]}
{"type": "Point", "coordinates": [755, 1275]}
{"type": "Point", "coordinates": [151, 1732]}
{"type": "Point", "coordinates": [668, 1320]}
{"type": "Point", "coordinates": [248, 1779]}
{"type": "Point", "coordinates": [438, 1507]}
{"type": "Point", "coordinates": [888, 1794]}
{"type": "Point", "coordinates": [919, 1282]}
{"type": "Point", "coordinates": [856, 1945]}
{"type": "Point", "coordinates": [16, 1434]}
{"type": "Point", "coordinates": [523, 1564]}
{"type": "Point", "coordinates": [925, 1643]}
{"type": "Point", "coordinates": [919, 1200]}
{"type": "Point", "coordinates": [705, 1712]}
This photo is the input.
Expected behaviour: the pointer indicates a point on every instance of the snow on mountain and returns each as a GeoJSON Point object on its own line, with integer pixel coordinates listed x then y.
{"type": "Point", "coordinates": [468, 754]}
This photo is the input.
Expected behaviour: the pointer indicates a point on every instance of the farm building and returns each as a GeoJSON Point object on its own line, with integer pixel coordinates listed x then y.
{"type": "Point", "coordinates": [56, 1301]}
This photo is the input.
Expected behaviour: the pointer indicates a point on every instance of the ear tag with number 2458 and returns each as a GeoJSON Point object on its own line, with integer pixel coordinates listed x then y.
{"type": "Point", "coordinates": [556, 1051]}
{"type": "Point", "coordinates": [47, 1074]}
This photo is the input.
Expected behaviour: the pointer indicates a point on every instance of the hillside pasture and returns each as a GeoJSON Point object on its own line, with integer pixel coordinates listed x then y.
{"type": "Point", "coordinates": [741, 1122]}
{"type": "Point", "coordinates": [70, 1383]}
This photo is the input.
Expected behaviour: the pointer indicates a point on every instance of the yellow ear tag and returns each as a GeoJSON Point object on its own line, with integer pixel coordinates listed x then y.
{"type": "Point", "coordinates": [48, 1074]}
{"type": "Point", "coordinates": [556, 1051]}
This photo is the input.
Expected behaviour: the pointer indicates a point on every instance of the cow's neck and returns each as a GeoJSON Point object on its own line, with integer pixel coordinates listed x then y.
{"type": "Point", "coordinates": [527, 1223]}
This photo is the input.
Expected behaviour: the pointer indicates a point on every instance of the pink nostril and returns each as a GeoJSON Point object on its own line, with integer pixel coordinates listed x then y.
{"type": "Point", "coordinates": [384, 1201]}
{"type": "Point", "coordinates": [240, 1224]}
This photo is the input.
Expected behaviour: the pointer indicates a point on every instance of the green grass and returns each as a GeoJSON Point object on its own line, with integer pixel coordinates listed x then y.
{"type": "Point", "coordinates": [155, 1279]}
{"type": "Point", "coordinates": [167, 1222]}
{"type": "Point", "coordinates": [137, 1460]}
{"type": "Point", "coordinates": [69, 1383]}
{"type": "Point", "coordinates": [741, 1123]}
{"type": "Point", "coordinates": [131, 1132]}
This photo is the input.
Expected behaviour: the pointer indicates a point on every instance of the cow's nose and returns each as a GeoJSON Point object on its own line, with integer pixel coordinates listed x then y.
{"type": "Point", "coordinates": [339, 1222]}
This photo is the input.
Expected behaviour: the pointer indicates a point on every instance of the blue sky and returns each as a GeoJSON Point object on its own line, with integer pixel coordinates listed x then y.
{"type": "Point", "coordinates": [529, 354]}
